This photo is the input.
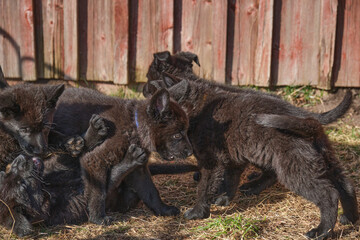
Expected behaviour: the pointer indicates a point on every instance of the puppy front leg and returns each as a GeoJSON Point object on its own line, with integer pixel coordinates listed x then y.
{"type": "Point", "coordinates": [140, 181]}
{"type": "Point", "coordinates": [207, 188]}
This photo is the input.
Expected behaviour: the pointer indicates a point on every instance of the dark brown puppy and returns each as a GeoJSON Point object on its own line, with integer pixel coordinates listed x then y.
{"type": "Point", "coordinates": [223, 135]}
{"type": "Point", "coordinates": [49, 203]}
{"type": "Point", "coordinates": [180, 65]}
{"type": "Point", "coordinates": [46, 191]}
{"type": "Point", "coordinates": [157, 124]}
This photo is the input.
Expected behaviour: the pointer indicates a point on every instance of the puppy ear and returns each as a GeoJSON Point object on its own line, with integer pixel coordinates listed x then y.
{"type": "Point", "coordinates": [179, 90]}
{"type": "Point", "coordinates": [3, 83]}
{"type": "Point", "coordinates": [192, 57]}
{"type": "Point", "coordinates": [162, 56]}
{"type": "Point", "coordinates": [169, 80]}
{"type": "Point", "coordinates": [159, 104]}
{"type": "Point", "coordinates": [151, 87]}
{"type": "Point", "coordinates": [53, 93]}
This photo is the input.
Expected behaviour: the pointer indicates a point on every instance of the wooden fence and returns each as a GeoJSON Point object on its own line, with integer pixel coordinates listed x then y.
{"type": "Point", "coordinates": [242, 42]}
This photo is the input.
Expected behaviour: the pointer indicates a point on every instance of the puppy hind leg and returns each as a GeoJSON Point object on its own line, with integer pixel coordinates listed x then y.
{"type": "Point", "coordinates": [347, 198]}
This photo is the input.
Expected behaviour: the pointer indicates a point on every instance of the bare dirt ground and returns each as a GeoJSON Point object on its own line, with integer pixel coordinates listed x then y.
{"type": "Point", "coordinates": [275, 214]}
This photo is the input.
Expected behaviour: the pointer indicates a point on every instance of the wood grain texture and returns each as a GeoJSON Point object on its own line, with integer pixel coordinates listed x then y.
{"type": "Point", "coordinates": [52, 25]}
{"type": "Point", "coordinates": [349, 72]}
{"type": "Point", "coordinates": [204, 33]}
{"type": "Point", "coordinates": [155, 25]}
{"type": "Point", "coordinates": [252, 42]}
{"type": "Point", "coordinates": [307, 31]}
{"type": "Point", "coordinates": [70, 40]}
{"type": "Point", "coordinates": [121, 36]}
{"type": "Point", "coordinates": [11, 42]}
{"type": "Point", "coordinates": [327, 42]}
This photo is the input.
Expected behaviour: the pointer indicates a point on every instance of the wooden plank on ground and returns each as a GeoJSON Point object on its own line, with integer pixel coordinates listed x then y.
{"type": "Point", "coordinates": [70, 40]}
{"type": "Point", "coordinates": [121, 36]}
{"type": "Point", "coordinates": [349, 72]}
{"type": "Point", "coordinates": [204, 33]}
{"type": "Point", "coordinates": [155, 25]}
{"type": "Point", "coordinates": [252, 42]}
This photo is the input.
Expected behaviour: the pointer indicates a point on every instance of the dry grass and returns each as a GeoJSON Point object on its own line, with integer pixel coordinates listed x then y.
{"type": "Point", "coordinates": [275, 214]}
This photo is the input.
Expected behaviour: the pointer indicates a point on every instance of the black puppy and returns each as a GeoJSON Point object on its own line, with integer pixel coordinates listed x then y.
{"type": "Point", "coordinates": [223, 135]}
{"type": "Point", "coordinates": [157, 124]}
{"type": "Point", "coordinates": [180, 65]}
{"type": "Point", "coordinates": [28, 193]}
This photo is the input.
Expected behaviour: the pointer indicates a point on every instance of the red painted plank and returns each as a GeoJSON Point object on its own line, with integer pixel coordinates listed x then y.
{"type": "Point", "coordinates": [102, 41]}
{"type": "Point", "coordinates": [2, 27]}
{"type": "Point", "coordinates": [327, 41]}
{"type": "Point", "coordinates": [154, 33]}
{"type": "Point", "coordinates": [204, 33]}
{"type": "Point", "coordinates": [299, 58]}
{"type": "Point", "coordinates": [70, 40]}
{"type": "Point", "coordinates": [349, 72]}
{"type": "Point", "coordinates": [252, 42]}
{"type": "Point", "coordinates": [11, 44]}
{"type": "Point", "coordinates": [52, 38]}
{"type": "Point", "coordinates": [121, 29]}
{"type": "Point", "coordinates": [27, 45]}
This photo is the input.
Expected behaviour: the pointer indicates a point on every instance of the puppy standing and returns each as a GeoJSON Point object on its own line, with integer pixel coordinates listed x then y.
{"type": "Point", "coordinates": [223, 135]}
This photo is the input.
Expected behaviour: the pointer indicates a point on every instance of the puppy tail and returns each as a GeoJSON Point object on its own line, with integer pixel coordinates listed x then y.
{"type": "Point", "coordinates": [307, 127]}
{"type": "Point", "coordinates": [337, 112]}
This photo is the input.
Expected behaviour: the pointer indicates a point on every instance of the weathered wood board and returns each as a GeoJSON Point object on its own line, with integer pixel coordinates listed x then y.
{"type": "Point", "coordinates": [203, 32]}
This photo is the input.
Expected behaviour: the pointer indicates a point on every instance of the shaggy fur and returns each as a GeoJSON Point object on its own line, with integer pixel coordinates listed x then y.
{"type": "Point", "coordinates": [180, 65]}
{"type": "Point", "coordinates": [225, 136]}
{"type": "Point", "coordinates": [49, 203]}
{"type": "Point", "coordinates": [157, 124]}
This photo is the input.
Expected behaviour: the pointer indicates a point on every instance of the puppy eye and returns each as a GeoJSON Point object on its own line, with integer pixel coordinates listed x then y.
{"type": "Point", "coordinates": [177, 136]}
{"type": "Point", "coordinates": [25, 130]}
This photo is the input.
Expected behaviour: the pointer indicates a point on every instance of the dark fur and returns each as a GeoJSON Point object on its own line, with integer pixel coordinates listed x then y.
{"type": "Point", "coordinates": [162, 128]}
{"type": "Point", "coordinates": [225, 136]}
{"type": "Point", "coordinates": [180, 65]}
{"type": "Point", "coordinates": [40, 200]}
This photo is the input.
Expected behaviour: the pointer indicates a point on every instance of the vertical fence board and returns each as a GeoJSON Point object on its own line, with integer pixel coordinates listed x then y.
{"type": "Point", "coordinates": [11, 45]}
{"type": "Point", "coordinates": [121, 29]}
{"type": "Point", "coordinates": [327, 41]}
{"type": "Point", "coordinates": [70, 40]}
{"type": "Point", "coordinates": [53, 39]}
{"type": "Point", "coordinates": [2, 32]}
{"type": "Point", "coordinates": [252, 42]}
{"type": "Point", "coordinates": [27, 40]}
{"type": "Point", "coordinates": [204, 33]}
{"type": "Point", "coordinates": [349, 72]}
{"type": "Point", "coordinates": [154, 33]}
{"type": "Point", "coordinates": [299, 43]}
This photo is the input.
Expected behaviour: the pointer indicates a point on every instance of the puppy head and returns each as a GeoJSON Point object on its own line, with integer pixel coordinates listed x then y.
{"type": "Point", "coordinates": [168, 127]}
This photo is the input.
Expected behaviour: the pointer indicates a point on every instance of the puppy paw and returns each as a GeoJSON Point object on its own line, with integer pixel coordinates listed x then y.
{"type": "Point", "coordinates": [102, 221]}
{"type": "Point", "coordinates": [315, 233]}
{"type": "Point", "coordinates": [136, 155]}
{"type": "Point", "coordinates": [249, 189]}
{"type": "Point", "coordinates": [197, 213]}
{"type": "Point", "coordinates": [169, 211]}
{"type": "Point", "coordinates": [98, 125]}
{"type": "Point", "coordinates": [75, 145]}
{"type": "Point", "coordinates": [222, 201]}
